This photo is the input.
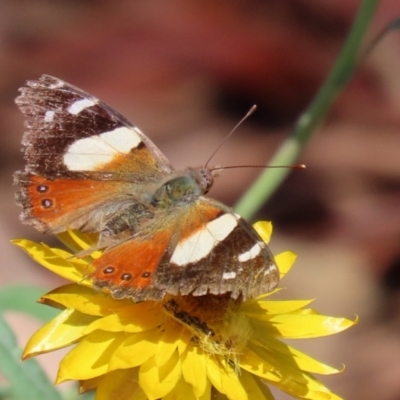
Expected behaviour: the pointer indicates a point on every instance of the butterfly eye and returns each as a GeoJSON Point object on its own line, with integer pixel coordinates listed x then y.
{"type": "Point", "coordinates": [145, 274]}
{"type": "Point", "coordinates": [108, 270]}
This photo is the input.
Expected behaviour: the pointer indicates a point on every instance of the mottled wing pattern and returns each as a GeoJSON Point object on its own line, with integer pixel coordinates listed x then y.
{"type": "Point", "coordinates": [224, 254]}
{"type": "Point", "coordinates": [85, 161]}
{"type": "Point", "coordinates": [70, 131]}
{"type": "Point", "coordinates": [203, 248]}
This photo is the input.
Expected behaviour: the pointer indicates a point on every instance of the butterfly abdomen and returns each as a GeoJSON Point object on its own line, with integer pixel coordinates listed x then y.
{"type": "Point", "coordinates": [125, 223]}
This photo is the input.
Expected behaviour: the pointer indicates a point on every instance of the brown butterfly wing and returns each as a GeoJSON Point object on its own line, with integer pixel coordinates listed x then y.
{"type": "Point", "coordinates": [202, 248]}
{"type": "Point", "coordinates": [84, 159]}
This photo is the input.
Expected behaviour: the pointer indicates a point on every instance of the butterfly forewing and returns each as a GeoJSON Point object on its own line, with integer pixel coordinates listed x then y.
{"type": "Point", "coordinates": [72, 131]}
{"type": "Point", "coordinates": [84, 160]}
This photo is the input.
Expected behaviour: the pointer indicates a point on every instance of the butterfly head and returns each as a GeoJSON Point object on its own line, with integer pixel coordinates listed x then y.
{"type": "Point", "coordinates": [203, 176]}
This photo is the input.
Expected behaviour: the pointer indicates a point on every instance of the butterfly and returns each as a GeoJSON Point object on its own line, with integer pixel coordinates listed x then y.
{"type": "Point", "coordinates": [88, 168]}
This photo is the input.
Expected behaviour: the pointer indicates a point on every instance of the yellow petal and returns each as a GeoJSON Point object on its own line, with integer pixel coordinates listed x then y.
{"type": "Point", "coordinates": [86, 300]}
{"type": "Point", "coordinates": [308, 388]}
{"type": "Point", "coordinates": [283, 354]}
{"type": "Point", "coordinates": [194, 369]}
{"type": "Point", "coordinates": [184, 340]}
{"type": "Point", "coordinates": [159, 381]}
{"type": "Point", "coordinates": [136, 349]}
{"type": "Point", "coordinates": [77, 241]}
{"type": "Point", "coordinates": [309, 364]}
{"type": "Point", "coordinates": [285, 261]}
{"type": "Point", "coordinates": [90, 384]}
{"type": "Point", "coordinates": [184, 391]}
{"type": "Point", "coordinates": [286, 375]}
{"type": "Point", "coordinates": [298, 326]}
{"type": "Point", "coordinates": [134, 318]}
{"type": "Point", "coordinates": [253, 363]}
{"type": "Point", "coordinates": [168, 342]}
{"type": "Point", "coordinates": [224, 378]}
{"type": "Point", "coordinates": [57, 261]}
{"type": "Point", "coordinates": [91, 356]}
{"type": "Point", "coordinates": [61, 331]}
{"type": "Point", "coordinates": [121, 384]}
{"type": "Point", "coordinates": [264, 229]}
{"type": "Point", "coordinates": [265, 309]}
{"type": "Point", "coordinates": [255, 388]}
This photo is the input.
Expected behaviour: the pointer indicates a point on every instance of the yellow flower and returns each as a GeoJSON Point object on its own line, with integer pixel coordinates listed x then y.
{"type": "Point", "coordinates": [181, 347]}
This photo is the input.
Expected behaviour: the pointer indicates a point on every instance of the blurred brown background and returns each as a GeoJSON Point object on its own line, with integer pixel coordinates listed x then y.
{"type": "Point", "coordinates": [185, 72]}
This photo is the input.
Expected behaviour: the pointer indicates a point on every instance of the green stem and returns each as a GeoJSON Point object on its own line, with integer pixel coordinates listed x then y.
{"type": "Point", "coordinates": [290, 150]}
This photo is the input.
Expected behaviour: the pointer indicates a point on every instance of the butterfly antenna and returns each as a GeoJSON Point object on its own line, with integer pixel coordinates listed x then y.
{"type": "Point", "coordinates": [295, 166]}
{"type": "Point", "coordinates": [251, 111]}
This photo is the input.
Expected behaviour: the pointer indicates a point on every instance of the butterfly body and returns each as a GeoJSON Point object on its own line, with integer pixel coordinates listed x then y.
{"type": "Point", "coordinates": [88, 168]}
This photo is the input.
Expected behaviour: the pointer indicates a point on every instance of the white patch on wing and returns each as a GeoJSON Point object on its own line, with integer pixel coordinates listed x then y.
{"type": "Point", "coordinates": [122, 139]}
{"type": "Point", "coordinates": [79, 105]}
{"type": "Point", "coordinates": [229, 275]}
{"type": "Point", "coordinates": [202, 242]}
{"type": "Point", "coordinates": [250, 254]}
{"type": "Point", "coordinates": [49, 116]}
{"type": "Point", "coordinates": [88, 154]}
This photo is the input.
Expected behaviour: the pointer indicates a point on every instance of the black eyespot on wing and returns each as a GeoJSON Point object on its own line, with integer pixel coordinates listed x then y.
{"type": "Point", "coordinates": [47, 203]}
{"type": "Point", "coordinates": [42, 188]}
{"type": "Point", "coordinates": [108, 270]}
{"type": "Point", "coordinates": [126, 276]}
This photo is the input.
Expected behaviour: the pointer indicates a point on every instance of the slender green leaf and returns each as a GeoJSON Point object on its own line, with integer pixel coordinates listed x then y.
{"type": "Point", "coordinates": [26, 379]}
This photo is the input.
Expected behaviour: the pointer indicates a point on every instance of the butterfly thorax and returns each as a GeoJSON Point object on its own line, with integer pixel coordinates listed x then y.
{"type": "Point", "coordinates": [194, 182]}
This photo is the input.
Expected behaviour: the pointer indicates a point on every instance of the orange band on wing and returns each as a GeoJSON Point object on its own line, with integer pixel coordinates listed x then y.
{"type": "Point", "coordinates": [197, 219]}
{"type": "Point", "coordinates": [57, 202]}
{"type": "Point", "coordinates": [132, 263]}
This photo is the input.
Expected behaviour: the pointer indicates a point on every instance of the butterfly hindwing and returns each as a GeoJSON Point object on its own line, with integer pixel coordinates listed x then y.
{"type": "Point", "coordinates": [211, 250]}
{"type": "Point", "coordinates": [85, 204]}
{"type": "Point", "coordinates": [223, 254]}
